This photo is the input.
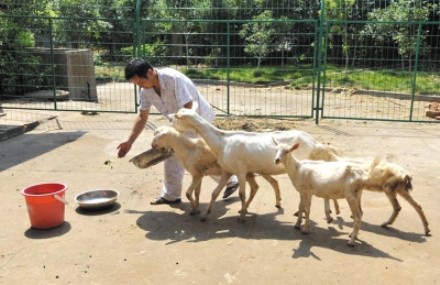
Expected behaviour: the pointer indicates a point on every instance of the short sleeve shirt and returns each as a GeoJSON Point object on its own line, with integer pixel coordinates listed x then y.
{"type": "Point", "coordinates": [176, 91]}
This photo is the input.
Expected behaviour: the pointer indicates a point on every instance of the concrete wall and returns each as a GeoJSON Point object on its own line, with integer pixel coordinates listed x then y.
{"type": "Point", "coordinates": [74, 71]}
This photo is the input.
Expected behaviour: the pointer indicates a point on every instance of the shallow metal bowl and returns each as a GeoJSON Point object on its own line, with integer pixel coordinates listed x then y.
{"type": "Point", "coordinates": [97, 198]}
{"type": "Point", "coordinates": [151, 157]}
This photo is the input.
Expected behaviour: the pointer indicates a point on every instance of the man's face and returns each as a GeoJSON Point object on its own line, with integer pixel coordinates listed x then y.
{"type": "Point", "coordinates": [143, 82]}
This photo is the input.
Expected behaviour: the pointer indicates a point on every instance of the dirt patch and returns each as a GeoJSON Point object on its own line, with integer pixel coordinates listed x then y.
{"type": "Point", "coordinates": [161, 244]}
{"type": "Point", "coordinates": [254, 124]}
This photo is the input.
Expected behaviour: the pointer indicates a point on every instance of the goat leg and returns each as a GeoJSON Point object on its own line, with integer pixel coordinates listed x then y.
{"type": "Point", "coordinates": [356, 227]}
{"type": "Point", "coordinates": [396, 207]}
{"type": "Point", "coordinates": [299, 214]}
{"type": "Point", "coordinates": [307, 205]}
{"type": "Point", "coordinates": [357, 219]}
{"type": "Point", "coordinates": [223, 180]}
{"type": "Point", "coordinates": [195, 186]}
{"type": "Point", "coordinates": [405, 194]}
{"type": "Point", "coordinates": [242, 194]}
{"type": "Point", "coordinates": [327, 211]}
{"type": "Point", "coordinates": [336, 204]}
{"type": "Point", "coordinates": [250, 177]}
{"type": "Point", "coordinates": [276, 188]}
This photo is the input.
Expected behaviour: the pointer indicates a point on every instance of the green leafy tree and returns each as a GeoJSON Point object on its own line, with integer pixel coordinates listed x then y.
{"type": "Point", "coordinates": [181, 33]}
{"type": "Point", "coordinates": [258, 36]}
{"type": "Point", "coordinates": [398, 21]}
{"type": "Point", "coordinates": [116, 33]}
{"type": "Point", "coordinates": [81, 24]}
{"type": "Point", "coordinates": [20, 70]}
{"type": "Point", "coordinates": [345, 11]}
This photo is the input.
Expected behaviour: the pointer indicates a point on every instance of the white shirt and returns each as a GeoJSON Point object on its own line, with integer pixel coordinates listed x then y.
{"type": "Point", "coordinates": [176, 91]}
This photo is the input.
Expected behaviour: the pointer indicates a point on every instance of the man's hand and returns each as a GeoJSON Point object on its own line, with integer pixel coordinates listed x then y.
{"type": "Point", "coordinates": [124, 148]}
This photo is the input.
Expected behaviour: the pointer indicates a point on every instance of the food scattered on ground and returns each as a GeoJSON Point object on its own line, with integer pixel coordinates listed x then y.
{"type": "Point", "coordinates": [253, 124]}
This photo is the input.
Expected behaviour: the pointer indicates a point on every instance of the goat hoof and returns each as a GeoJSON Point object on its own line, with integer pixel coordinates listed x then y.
{"type": "Point", "coordinates": [241, 211]}
{"type": "Point", "coordinates": [278, 206]}
{"type": "Point", "coordinates": [350, 244]}
{"type": "Point", "coordinates": [194, 212]}
{"type": "Point", "coordinates": [428, 233]}
{"type": "Point", "coordinates": [204, 217]}
{"type": "Point", "coordinates": [384, 225]}
{"type": "Point", "coordinates": [329, 221]}
{"type": "Point", "coordinates": [305, 232]}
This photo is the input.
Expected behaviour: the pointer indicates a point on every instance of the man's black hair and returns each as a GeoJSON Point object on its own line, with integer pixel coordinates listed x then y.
{"type": "Point", "coordinates": [137, 66]}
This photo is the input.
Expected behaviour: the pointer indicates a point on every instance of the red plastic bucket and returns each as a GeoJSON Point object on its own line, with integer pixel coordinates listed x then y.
{"type": "Point", "coordinates": [45, 203]}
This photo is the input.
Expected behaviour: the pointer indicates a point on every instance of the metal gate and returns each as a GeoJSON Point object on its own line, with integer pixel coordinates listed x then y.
{"type": "Point", "coordinates": [305, 65]}
{"type": "Point", "coordinates": [385, 82]}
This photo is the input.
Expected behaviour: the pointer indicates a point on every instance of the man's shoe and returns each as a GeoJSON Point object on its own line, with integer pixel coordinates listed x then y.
{"type": "Point", "coordinates": [229, 190]}
{"type": "Point", "coordinates": [162, 200]}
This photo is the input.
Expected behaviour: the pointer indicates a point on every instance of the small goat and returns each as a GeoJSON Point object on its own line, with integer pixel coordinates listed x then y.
{"type": "Point", "coordinates": [331, 180]}
{"type": "Point", "coordinates": [387, 177]}
{"type": "Point", "coordinates": [199, 160]}
{"type": "Point", "coordinates": [240, 152]}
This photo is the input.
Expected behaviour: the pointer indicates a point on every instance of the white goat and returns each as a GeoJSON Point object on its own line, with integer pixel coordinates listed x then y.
{"type": "Point", "coordinates": [240, 152]}
{"type": "Point", "coordinates": [387, 177]}
{"type": "Point", "coordinates": [331, 180]}
{"type": "Point", "coordinates": [199, 160]}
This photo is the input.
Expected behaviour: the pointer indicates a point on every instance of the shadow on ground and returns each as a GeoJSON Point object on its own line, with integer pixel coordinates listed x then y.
{"type": "Point", "coordinates": [23, 148]}
{"type": "Point", "coordinates": [181, 227]}
{"type": "Point", "coordinates": [48, 233]}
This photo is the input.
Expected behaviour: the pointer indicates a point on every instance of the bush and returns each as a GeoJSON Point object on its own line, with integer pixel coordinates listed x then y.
{"type": "Point", "coordinates": [154, 53]}
{"type": "Point", "coordinates": [17, 78]}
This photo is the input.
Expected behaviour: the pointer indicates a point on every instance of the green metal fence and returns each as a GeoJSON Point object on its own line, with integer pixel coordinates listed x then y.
{"type": "Point", "coordinates": [381, 81]}
{"type": "Point", "coordinates": [258, 58]}
{"type": "Point", "coordinates": [64, 70]}
{"type": "Point", "coordinates": [216, 55]}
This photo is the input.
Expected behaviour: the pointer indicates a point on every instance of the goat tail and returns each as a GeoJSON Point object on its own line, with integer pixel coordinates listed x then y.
{"type": "Point", "coordinates": [375, 163]}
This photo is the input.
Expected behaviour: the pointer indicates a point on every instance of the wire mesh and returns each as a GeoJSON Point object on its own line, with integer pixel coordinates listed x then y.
{"type": "Point", "coordinates": [282, 58]}
{"type": "Point", "coordinates": [367, 77]}
{"type": "Point", "coordinates": [64, 70]}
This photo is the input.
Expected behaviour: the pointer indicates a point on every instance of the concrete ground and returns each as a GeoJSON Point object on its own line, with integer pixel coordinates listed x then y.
{"type": "Point", "coordinates": [136, 243]}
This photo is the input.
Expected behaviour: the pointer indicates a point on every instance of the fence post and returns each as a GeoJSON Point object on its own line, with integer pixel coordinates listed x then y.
{"type": "Point", "coordinates": [319, 62]}
{"type": "Point", "coordinates": [416, 65]}
{"type": "Point", "coordinates": [137, 25]}
{"type": "Point", "coordinates": [228, 65]}
{"type": "Point", "coordinates": [54, 85]}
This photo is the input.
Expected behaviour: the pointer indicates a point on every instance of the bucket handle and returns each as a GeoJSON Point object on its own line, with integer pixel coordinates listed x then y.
{"type": "Point", "coordinates": [62, 200]}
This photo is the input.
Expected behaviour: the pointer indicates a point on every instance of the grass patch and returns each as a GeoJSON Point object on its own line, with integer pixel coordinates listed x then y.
{"type": "Point", "coordinates": [303, 76]}
{"type": "Point", "coordinates": [102, 71]}
{"type": "Point", "coordinates": [250, 74]}
{"type": "Point", "coordinates": [385, 80]}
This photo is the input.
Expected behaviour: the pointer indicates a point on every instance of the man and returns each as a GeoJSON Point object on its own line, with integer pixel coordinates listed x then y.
{"type": "Point", "coordinates": [168, 90]}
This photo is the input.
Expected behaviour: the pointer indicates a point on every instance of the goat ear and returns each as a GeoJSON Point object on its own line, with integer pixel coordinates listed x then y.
{"type": "Point", "coordinates": [294, 146]}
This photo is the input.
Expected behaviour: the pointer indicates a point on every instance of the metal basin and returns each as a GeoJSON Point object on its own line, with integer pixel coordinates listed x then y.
{"type": "Point", "coordinates": [151, 157]}
{"type": "Point", "coordinates": [97, 198]}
